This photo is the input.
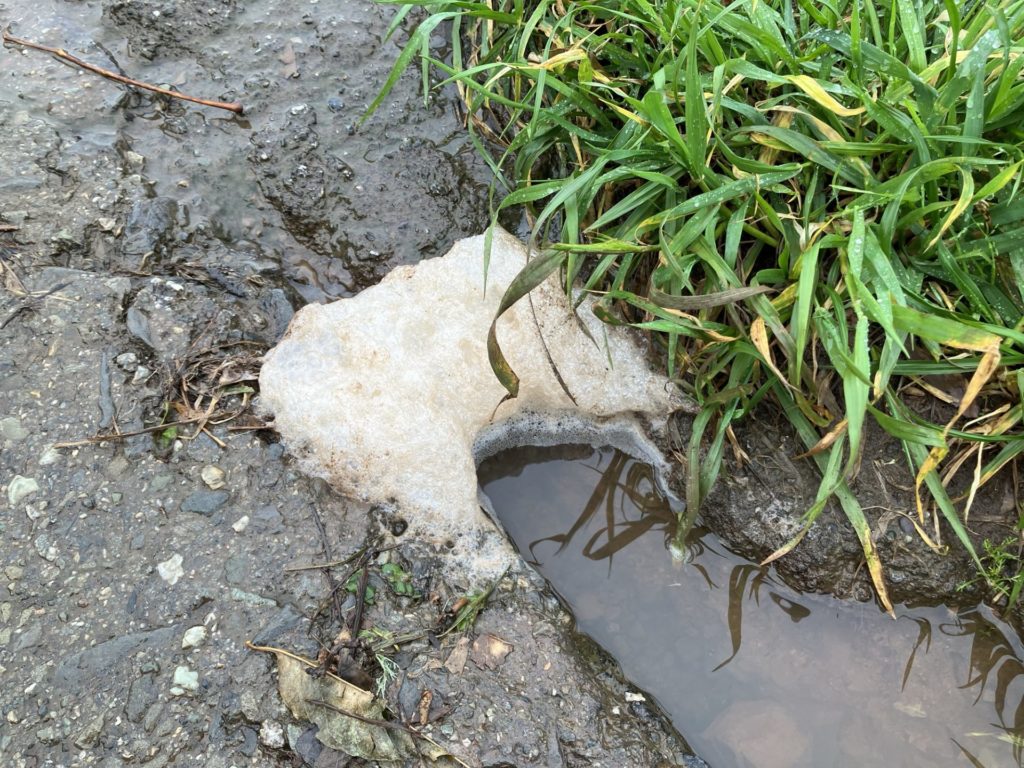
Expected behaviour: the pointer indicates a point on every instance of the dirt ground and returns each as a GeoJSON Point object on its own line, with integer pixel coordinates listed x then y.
{"type": "Point", "coordinates": [151, 251]}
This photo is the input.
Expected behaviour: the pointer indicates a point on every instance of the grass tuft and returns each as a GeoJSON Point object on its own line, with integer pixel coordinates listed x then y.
{"type": "Point", "coordinates": [842, 179]}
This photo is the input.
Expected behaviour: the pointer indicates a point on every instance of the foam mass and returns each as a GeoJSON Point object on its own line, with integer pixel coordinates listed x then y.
{"type": "Point", "coordinates": [389, 395]}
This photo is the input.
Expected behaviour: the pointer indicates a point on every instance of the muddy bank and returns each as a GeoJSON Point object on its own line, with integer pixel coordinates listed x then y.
{"type": "Point", "coordinates": [757, 507]}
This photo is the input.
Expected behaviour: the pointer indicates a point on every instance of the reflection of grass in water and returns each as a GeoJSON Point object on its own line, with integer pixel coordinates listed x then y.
{"type": "Point", "coordinates": [993, 658]}
{"type": "Point", "coordinates": [624, 485]}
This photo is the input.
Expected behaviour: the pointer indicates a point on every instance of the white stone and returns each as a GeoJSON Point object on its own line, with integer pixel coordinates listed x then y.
{"type": "Point", "coordinates": [170, 570]}
{"type": "Point", "coordinates": [19, 488]}
{"type": "Point", "coordinates": [50, 455]}
{"type": "Point", "coordinates": [185, 678]}
{"type": "Point", "coordinates": [389, 395]}
{"type": "Point", "coordinates": [193, 637]}
{"type": "Point", "coordinates": [213, 476]}
{"type": "Point", "coordinates": [272, 734]}
{"type": "Point", "coordinates": [240, 524]}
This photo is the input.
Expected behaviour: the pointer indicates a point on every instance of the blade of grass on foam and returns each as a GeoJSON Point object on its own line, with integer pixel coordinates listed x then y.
{"type": "Point", "coordinates": [533, 274]}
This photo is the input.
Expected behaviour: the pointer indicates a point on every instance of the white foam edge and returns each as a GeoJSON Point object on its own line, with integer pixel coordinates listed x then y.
{"type": "Point", "coordinates": [543, 430]}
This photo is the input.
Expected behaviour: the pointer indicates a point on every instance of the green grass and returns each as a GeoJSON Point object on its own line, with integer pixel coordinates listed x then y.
{"type": "Point", "coordinates": [811, 205]}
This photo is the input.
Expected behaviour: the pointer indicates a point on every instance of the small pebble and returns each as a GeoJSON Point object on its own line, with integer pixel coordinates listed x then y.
{"type": "Point", "coordinates": [241, 524]}
{"type": "Point", "coordinates": [142, 373]}
{"type": "Point", "coordinates": [127, 361]}
{"type": "Point", "coordinates": [185, 678]}
{"type": "Point", "coordinates": [170, 570]}
{"type": "Point", "coordinates": [49, 456]}
{"type": "Point", "coordinates": [213, 476]}
{"type": "Point", "coordinates": [19, 488]}
{"type": "Point", "coordinates": [272, 734]}
{"type": "Point", "coordinates": [193, 637]}
{"type": "Point", "coordinates": [11, 429]}
{"type": "Point", "coordinates": [160, 482]}
{"type": "Point", "coordinates": [45, 549]}
{"type": "Point", "coordinates": [204, 502]}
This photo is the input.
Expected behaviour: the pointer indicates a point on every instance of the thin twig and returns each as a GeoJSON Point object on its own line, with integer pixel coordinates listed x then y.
{"type": "Point", "coordinates": [120, 436]}
{"type": "Point", "coordinates": [63, 55]}
{"type": "Point", "coordinates": [315, 566]}
{"type": "Point", "coordinates": [325, 545]}
{"type": "Point", "coordinates": [335, 563]}
{"type": "Point", "coordinates": [357, 617]}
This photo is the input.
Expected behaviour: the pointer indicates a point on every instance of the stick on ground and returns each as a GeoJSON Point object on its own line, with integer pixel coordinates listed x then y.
{"type": "Point", "coordinates": [63, 55]}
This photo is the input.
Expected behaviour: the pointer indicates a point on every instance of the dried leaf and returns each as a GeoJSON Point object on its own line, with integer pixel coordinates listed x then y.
{"type": "Point", "coordinates": [423, 709]}
{"type": "Point", "coordinates": [826, 442]}
{"type": "Point", "coordinates": [489, 651]}
{"type": "Point", "coordinates": [456, 661]}
{"type": "Point", "coordinates": [759, 335]}
{"type": "Point", "coordinates": [338, 731]}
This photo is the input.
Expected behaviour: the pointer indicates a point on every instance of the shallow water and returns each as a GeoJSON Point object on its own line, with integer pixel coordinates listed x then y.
{"type": "Point", "coordinates": [751, 672]}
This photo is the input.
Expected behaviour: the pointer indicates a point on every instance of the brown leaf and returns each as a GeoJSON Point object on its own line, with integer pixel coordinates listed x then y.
{"type": "Point", "coordinates": [759, 337]}
{"type": "Point", "coordinates": [299, 690]}
{"type": "Point", "coordinates": [423, 709]}
{"type": "Point", "coordinates": [456, 661]}
{"type": "Point", "coordinates": [489, 651]}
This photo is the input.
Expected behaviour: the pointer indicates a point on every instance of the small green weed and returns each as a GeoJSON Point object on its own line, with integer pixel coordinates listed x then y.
{"type": "Point", "coordinates": [466, 609]}
{"type": "Point", "coordinates": [388, 674]}
{"type": "Point", "coordinates": [352, 586]}
{"type": "Point", "coordinates": [399, 580]}
{"type": "Point", "coordinates": [1003, 569]}
{"type": "Point", "coordinates": [379, 639]}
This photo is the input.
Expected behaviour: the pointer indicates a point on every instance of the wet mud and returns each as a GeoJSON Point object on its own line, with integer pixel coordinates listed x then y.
{"type": "Point", "coordinates": [758, 507]}
{"type": "Point", "coordinates": [150, 251]}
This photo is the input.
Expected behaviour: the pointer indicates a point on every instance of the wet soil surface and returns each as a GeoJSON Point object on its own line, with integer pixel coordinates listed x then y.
{"type": "Point", "coordinates": [758, 506]}
{"type": "Point", "coordinates": [753, 672]}
{"type": "Point", "coordinates": [150, 252]}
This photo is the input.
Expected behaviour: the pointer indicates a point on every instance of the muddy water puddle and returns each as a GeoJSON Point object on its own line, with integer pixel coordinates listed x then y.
{"type": "Point", "coordinates": [750, 672]}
